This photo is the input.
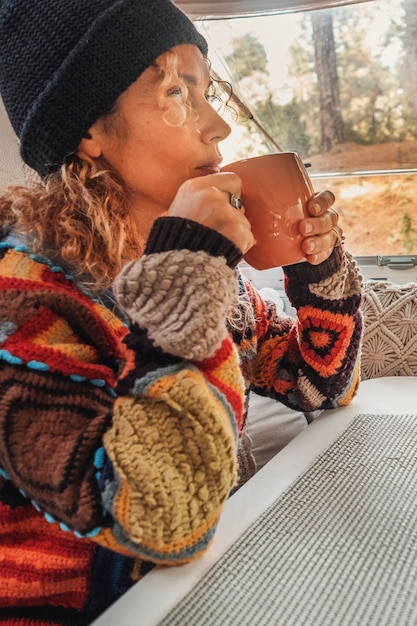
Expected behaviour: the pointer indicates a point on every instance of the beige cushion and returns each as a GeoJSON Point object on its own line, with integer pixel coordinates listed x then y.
{"type": "Point", "coordinates": [390, 330]}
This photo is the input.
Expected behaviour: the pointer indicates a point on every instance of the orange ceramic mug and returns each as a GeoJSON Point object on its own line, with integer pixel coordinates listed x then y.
{"type": "Point", "coordinates": [275, 192]}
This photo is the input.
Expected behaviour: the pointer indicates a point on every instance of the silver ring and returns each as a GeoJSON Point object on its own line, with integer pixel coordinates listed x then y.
{"type": "Point", "coordinates": [235, 201]}
{"type": "Point", "coordinates": [340, 238]}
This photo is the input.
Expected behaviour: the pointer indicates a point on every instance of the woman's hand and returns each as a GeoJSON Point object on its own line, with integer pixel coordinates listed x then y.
{"type": "Point", "coordinates": [206, 200]}
{"type": "Point", "coordinates": [321, 230]}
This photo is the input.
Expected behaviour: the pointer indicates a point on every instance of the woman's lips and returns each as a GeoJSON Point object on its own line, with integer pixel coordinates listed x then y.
{"type": "Point", "coordinates": [210, 168]}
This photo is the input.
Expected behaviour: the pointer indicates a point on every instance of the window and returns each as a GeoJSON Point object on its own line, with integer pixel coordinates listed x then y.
{"type": "Point", "coordinates": [338, 85]}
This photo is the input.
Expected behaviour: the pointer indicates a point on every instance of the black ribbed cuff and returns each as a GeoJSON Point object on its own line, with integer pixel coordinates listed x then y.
{"type": "Point", "coordinates": [177, 233]}
{"type": "Point", "coordinates": [307, 273]}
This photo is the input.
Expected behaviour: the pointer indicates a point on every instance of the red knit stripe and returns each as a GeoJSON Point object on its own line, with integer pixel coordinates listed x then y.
{"type": "Point", "coordinates": [57, 360]}
{"type": "Point", "coordinates": [44, 564]}
{"type": "Point", "coordinates": [43, 567]}
{"type": "Point", "coordinates": [21, 585]}
{"type": "Point", "coordinates": [221, 355]}
{"type": "Point", "coordinates": [234, 399]}
{"type": "Point", "coordinates": [45, 281]}
{"type": "Point", "coordinates": [23, 621]}
{"type": "Point", "coordinates": [57, 284]}
{"type": "Point", "coordinates": [216, 362]}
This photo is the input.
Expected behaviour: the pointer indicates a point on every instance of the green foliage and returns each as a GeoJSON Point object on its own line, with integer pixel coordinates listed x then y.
{"type": "Point", "coordinates": [248, 56]}
{"type": "Point", "coordinates": [285, 122]}
{"type": "Point", "coordinates": [409, 232]}
{"type": "Point", "coordinates": [377, 82]}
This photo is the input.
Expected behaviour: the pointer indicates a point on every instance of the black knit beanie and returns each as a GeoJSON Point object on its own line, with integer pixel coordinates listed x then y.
{"type": "Point", "coordinates": [63, 63]}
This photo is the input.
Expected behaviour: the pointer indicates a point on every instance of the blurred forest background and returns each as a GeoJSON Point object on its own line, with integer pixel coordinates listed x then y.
{"type": "Point", "coordinates": [346, 106]}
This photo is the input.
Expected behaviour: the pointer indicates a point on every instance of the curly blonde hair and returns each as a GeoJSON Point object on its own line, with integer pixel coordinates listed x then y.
{"type": "Point", "coordinates": [82, 211]}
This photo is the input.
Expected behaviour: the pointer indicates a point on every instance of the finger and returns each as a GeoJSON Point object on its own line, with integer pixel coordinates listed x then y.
{"type": "Point", "coordinates": [321, 202]}
{"type": "Point", "coordinates": [318, 225]}
{"type": "Point", "coordinates": [232, 186]}
{"type": "Point", "coordinates": [236, 202]}
{"type": "Point", "coordinates": [244, 237]}
{"type": "Point", "coordinates": [204, 194]}
{"type": "Point", "coordinates": [319, 257]}
{"type": "Point", "coordinates": [228, 182]}
{"type": "Point", "coordinates": [320, 247]}
{"type": "Point", "coordinates": [339, 236]}
{"type": "Point", "coordinates": [333, 212]}
{"type": "Point", "coordinates": [206, 200]}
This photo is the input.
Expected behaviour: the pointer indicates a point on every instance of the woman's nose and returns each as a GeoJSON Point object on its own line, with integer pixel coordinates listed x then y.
{"type": "Point", "coordinates": [215, 127]}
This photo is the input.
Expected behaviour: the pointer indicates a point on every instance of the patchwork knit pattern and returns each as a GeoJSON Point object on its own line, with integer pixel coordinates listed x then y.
{"type": "Point", "coordinates": [198, 462]}
{"type": "Point", "coordinates": [325, 339]}
{"type": "Point", "coordinates": [40, 310]}
{"type": "Point", "coordinates": [308, 363]}
{"type": "Point", "coordinates": [59, 563]}
{"type": "Point", "coordinates": [37, 412]}
{"type": "Point", "coordinates": [155, 491]}
{"type": "Point", "coordinates": [343, 283]}
{"type": "Point", "coordinates": [118, 446]}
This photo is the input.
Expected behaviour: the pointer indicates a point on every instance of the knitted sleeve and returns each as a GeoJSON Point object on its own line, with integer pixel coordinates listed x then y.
{"type": "Point", "coordinates": [172, 441]}
{"type": "Point", "coordinates": [140, 460]}
{"type": "Point", "coordinates": [311, 362]}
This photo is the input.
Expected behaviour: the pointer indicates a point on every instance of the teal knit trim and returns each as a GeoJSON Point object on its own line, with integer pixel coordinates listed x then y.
{"type": "Point", "coordinates": [4, 474]}
{"type": "Point", "coordinates": [45, 261]}
{"type": "Point", "coordinates": [5, 355]}
{"type": "Point", "coordinates": [92, 533]}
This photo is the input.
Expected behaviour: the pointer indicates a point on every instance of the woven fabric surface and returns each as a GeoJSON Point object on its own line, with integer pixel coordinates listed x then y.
{"type": "Point", "coordinates": [338, 548]}
{"type": "Point", "coordinates": [389, 345]}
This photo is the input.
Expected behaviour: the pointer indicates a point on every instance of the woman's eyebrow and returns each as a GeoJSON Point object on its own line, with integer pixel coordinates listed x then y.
{"type": "Point", "coordinates": [192, 81]}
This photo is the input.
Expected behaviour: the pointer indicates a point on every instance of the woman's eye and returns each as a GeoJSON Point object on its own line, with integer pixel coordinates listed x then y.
{"type": "Point", "coordinates": [214, 99]}
{"type": "Point", "coordinates": [210, 97]}
{"type": "Point", "coordinates": [175, 92]}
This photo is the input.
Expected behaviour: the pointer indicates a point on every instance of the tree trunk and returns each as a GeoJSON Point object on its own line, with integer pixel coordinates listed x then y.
{"type": "Point", "coordinates": [331, 121]}
{"type": "Point", "coordinates": [410, 7]}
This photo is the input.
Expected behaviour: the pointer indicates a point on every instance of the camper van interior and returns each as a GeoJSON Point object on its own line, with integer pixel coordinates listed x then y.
{"type": "Point", "coordinates": [336, 82]}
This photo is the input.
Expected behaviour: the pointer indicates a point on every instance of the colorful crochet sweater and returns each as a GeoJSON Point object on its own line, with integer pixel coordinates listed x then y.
{"type": "Point", "coordinates": [118, 437]}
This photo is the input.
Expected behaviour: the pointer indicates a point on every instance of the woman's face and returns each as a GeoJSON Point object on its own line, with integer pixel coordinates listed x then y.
{"type": "Point", "coordinates": [153, 155]}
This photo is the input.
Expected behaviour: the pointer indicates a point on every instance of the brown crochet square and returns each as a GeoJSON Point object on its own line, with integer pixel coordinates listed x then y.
{"type": "Point", "coordinates": [390, 335]}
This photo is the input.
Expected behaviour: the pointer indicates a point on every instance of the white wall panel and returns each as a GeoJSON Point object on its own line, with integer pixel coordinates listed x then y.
{"type": "Point", "coordinates": [232, 8]}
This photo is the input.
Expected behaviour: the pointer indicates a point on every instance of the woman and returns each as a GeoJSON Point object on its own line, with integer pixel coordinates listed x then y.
{"type": "Point", "coordinates": [128, 336]}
